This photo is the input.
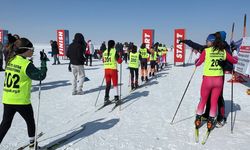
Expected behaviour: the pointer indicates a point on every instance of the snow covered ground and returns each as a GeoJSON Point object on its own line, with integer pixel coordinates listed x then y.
{"type": "Point", "coordinates": [144, 120]}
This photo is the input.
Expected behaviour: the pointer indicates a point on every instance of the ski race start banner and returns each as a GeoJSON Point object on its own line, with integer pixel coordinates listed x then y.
{"type": "Point", "coordinates": [62, 41]}
{"type": "Point", "coordinates": [148, 37]}
{"type": "Point", "coordinates": [243, 65]}
{"type": "Point", "coordinates": [179, 48]}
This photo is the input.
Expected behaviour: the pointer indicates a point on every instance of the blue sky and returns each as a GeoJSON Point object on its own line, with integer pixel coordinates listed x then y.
{"type": "Point", "coordinates": [122, 20]}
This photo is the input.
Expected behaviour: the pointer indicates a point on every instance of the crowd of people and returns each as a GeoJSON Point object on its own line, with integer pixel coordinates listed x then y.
{"type": "Point", "coordinates": [216, 55]}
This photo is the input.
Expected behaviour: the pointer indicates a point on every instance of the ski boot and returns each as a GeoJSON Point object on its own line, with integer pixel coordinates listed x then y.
{"type": "Point", "coordinates": [210, 123]}
{"type": "Point", "coordinates": [32, 145]}
{"type": "Point", "coordinates": [221, 121]}
{"type": "Point", "coordinates": [107, 101]}
{"type": "Point", "coordinates": [136, 84]}
{"type": "Point", "coordinates": [132, 86]}
{"type": "Point", "coordinates": [142, 78]}
{"type": "Point", "coordinates": [204, 117]}
{"type": "Point", "coordinates": [117, 100]}
{"type": "Point", "coordinates": [197, 121]}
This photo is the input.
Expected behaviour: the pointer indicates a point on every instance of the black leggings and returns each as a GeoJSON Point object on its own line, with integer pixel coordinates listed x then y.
{"type": "Point", "coordinates": [134, 73]}
{"type": "Point", "coordinates": [25, 111]}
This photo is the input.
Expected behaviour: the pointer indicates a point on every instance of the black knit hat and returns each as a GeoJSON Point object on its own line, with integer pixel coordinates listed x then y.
{"type": "Point", "coordinates": [22, 45]}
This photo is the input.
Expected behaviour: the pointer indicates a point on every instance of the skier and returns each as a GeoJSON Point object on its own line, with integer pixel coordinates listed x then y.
{"type": "Point", "coordinates": [55, 52]}
{"type": "Point", "coordinates": [133, 66]}
{"type": "Point", "coordinates": [76, 53]}
{"type": "Point", "coordinates": [17, 86]}
{"type": "Point", "coordinates": [144, 54]}
{"type": "Point", "coordinates": [227, 66]}
{"type": "Point", "coordinates": [153, 59]}
{"type": "Point", "coordinates": [164, 55]}
{"type": "Point", "coordinates": [110, 59]}
{"type": "Point", "coordinates": [212, 77]}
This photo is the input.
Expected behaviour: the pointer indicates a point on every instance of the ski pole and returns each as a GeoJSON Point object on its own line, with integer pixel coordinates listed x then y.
{"type": "Point", "coordinates": [232, 102]}
{"type": "Point", "coordinates": [38, 110]}
{"type": "Point", "coordinates": [183, 96]}
{"type": "Point", "coordinates": [120, 85]}
{"type": "Point", "coordinates": [99, 91]}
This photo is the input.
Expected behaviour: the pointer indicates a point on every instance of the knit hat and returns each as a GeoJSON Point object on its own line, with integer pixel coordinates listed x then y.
{"type": "Point", "coordinates": [22, 45]}
{"type": "Point", "coordinates": [211, 38]}
{"type": "Point", "coordinates": [223, 35]}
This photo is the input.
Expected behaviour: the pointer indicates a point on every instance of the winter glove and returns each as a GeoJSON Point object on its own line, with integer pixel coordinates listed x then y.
{"type": "Point", "coordinates": [222, 63]}
{"type": "Point", "coordinates": [233, 46]}
{"type": "Point", "coordinates": [43, 56]}
{"type": "Point", "coordinates": [181, 41]}
{"type": "Point", "coordinates": [69, 67]}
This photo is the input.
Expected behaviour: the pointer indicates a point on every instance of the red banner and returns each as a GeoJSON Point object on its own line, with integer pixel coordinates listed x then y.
{"type": "Point", "coordinates": [179, 49]}
{"type": "Point", "coordinates": [61, 42]}
{"type": "Point", "coordinates": [148, 37]}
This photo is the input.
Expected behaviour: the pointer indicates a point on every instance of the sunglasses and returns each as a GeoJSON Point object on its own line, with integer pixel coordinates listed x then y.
{"type": "Point", "coordinates": [28, 48]}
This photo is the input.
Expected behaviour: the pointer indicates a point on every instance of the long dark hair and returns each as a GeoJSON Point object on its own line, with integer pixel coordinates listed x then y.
{"type": "Point", "coordinates": [218, 44]}
{"type": "Point", "coordinates": [143, 45]}
{"type": "Point", "coordinates": [111, 44]}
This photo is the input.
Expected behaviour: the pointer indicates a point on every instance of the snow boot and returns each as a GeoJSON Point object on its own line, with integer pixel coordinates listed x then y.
{"type": "Point", "coordinates": [149, 74]}
{"type": "Point", "coordinates": [197, 121]}
{"type": "Point", "coordinates": [117, 100]}
{"type": "Point", "coordinates": [153, 74]}
{"type": "Point", "coordinates": [210, 123]}
{"type": "Point", "coordinates": [107, 101]}
{"type": "Point", "coordinates": [146, 79]}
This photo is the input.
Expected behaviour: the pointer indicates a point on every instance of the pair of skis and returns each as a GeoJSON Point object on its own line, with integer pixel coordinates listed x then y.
{"type": "Point", "coordinates": [205, 138]}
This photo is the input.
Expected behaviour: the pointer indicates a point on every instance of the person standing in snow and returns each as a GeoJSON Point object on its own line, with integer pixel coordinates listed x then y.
{"type": "Point", "coordinates": [213, 79]}
{"type": "Point", "coordinates": [55, 52]}
{"type": "Point", "coordinates": [226, 65]}
{"type": "Point", "coordinates": [144, 54]}
{"type": "Point", "coordinates": [125, 52]}
{"type": "Point", "coordinates": [17, 86]}
{"type": "Point", "coordinates": [133, 67]}
{"type": "Point", "coordinates": [110, 59]}
{"type": "Point", "coordinates": [76, 53]}
{"type": "Point", "coordinates": [89, 52]}
{"type": "Point", "coordinates": [153, 62]}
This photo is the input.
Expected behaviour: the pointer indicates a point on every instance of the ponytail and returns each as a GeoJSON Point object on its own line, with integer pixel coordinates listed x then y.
{"type": "Point", "coordinates": [111, 44]}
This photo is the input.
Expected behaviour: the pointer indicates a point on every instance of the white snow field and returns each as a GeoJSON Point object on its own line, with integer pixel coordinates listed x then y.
{"type": "Point", "coordinates": [143, 123]}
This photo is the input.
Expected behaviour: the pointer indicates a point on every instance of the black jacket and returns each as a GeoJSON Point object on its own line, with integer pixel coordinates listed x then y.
{"type": "Point", "coordinates": [226, 65]}
{"type": "Point", "coordinates": [54, 48]}
{"type": "Point", "coordinates": [77, 50]}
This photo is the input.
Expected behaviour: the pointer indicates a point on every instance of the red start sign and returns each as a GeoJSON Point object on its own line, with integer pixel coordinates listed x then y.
{"type": "Point", "coordinates": [148, 37]}
{"type": "Point", "coordinates": [179, 48]}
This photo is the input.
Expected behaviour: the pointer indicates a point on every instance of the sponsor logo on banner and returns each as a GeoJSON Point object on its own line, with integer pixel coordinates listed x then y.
{"type": "Point", "coordinates": [243, 65]}
{"type": "Point", "coordinates": [148, 37]}
{"type": "Point", "coordinates": [61, 42]}
{"type": "Point", "coordinates": [179, 49]}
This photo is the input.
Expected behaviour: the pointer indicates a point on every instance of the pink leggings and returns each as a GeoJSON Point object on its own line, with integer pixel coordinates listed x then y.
{"type": "Point", "coordinates": [214, 86]}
